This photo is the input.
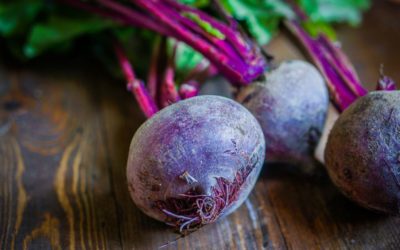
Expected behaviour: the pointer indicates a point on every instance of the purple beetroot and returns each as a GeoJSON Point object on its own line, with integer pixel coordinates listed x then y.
{"type": "Point", "coordinates": [195, 161]}
{"type": "Point", "coordinates": [363, 151]}
{"type": "Point", "coordinates": [291, 107]}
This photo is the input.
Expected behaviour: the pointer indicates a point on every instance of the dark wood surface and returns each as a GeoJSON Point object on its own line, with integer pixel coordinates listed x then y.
{"type": "Point", "coordinates": [65, 130]}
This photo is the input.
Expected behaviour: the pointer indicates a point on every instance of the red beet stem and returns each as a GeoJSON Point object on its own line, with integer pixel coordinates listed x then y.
{"type": "Point", "coordinates": [190, 25]}
{"type": "Point", "coordinates": [134, 17]}
{"type": "Point", "coordinates": [152, 77]}
{"type": "Point", "coordinates": [340, 75]}
{"type": "Point", "coordinates": [342, 91]}
{"type": "Point", "coordinates": [243, 71]}
{"type": "Point", "coordinates": [169, 93]}
{"type": "Point", "coordinates": [135, 85]}
{"type": "Point", "coordinates": [183, 33]}
{"type": "Point", "coordinates": [233, 54]}
{"type": "Point", "coordinates": [230, 32]}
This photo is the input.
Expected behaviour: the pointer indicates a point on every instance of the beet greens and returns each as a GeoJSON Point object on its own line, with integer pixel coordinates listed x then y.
{"type": "Point", "coordinates": [230, 51]}
{"type": "Point", "coordinates": [343, 81]}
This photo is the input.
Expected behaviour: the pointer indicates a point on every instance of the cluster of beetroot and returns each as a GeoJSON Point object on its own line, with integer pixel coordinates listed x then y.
{"type": "Point", "coordinates": [198, 157]}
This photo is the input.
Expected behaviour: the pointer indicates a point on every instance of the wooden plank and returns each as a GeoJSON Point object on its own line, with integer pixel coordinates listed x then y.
{"type": "Point", "coordinates": [65, 131]}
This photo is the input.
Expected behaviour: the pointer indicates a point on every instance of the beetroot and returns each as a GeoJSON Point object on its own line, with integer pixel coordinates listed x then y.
{"type": "Point", "coordinates": [195, 161]}
{"type": "Point", "coordinates": [291, 107]}
{"type": "Point", "coordinates": [363, 149]}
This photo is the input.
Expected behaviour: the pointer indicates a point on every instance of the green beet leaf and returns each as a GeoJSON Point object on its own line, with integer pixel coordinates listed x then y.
{"type": "Point", "coordinates": [60, 29]}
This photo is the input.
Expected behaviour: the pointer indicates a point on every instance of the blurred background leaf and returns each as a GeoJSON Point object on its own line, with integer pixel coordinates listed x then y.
{"type": "Point", "coordinates": [60, 31]}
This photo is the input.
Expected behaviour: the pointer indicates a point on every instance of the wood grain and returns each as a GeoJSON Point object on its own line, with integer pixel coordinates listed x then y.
{"type": "Point", "coordinates": [65, 130]}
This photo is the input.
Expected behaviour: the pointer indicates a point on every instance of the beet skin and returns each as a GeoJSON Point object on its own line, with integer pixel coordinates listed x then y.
{"type": "Point", "coordinates": [363, 151]}
{"type": "Point", "coordinates": [291, 107]}
{"type": "Point", "coordinates": [195, 161]}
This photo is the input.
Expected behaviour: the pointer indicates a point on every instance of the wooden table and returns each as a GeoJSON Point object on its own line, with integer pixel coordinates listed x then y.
{"type": "Point", "coordinates": [65, 128]}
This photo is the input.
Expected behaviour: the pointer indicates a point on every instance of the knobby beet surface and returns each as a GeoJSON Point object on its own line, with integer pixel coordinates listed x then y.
{"type": "Point", "coordinates": [195, 161]}
{"type": "Point", "coordinates": [363, 151]}
{"type": "Point", "coordinates": [291, 107]}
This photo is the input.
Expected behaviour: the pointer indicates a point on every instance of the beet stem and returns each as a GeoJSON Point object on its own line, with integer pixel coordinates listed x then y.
{"type": "Point", "coordinates": [229, 33]}
{"type": "Point", "coordinates": [169, 93]}
{"type": "Point", "coordinates": [134, 85]}
{"type": "Point", "coordinates": [341, 78]}
{"type": "Point", "coordinates": [238, 71]}
{"type": "Point", "coordinates": [340, 58]}
{"type": "Point", "coordinates": [134, 17]}
{"type": "Point", "coordinates": [218, 43]}
{"type": "Point", "coordinates": [183, 34]}
{"type": "Point", "coordinates": [152, 79]}
{"type": "Point", "coordinates": [235, 56]}
{"type": "Point", "coordinates": [340, 75]}
{"type": "Point", "coordinates": [341, 94]}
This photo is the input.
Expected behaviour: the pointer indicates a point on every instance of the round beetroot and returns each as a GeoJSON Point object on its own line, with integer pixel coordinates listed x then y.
{"type": "Point", "coordinates": [291, 107]}
{"type": "Point", "coordinates": [195, 161]}
{"type": "Point", "coordinates": [363, 151]}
